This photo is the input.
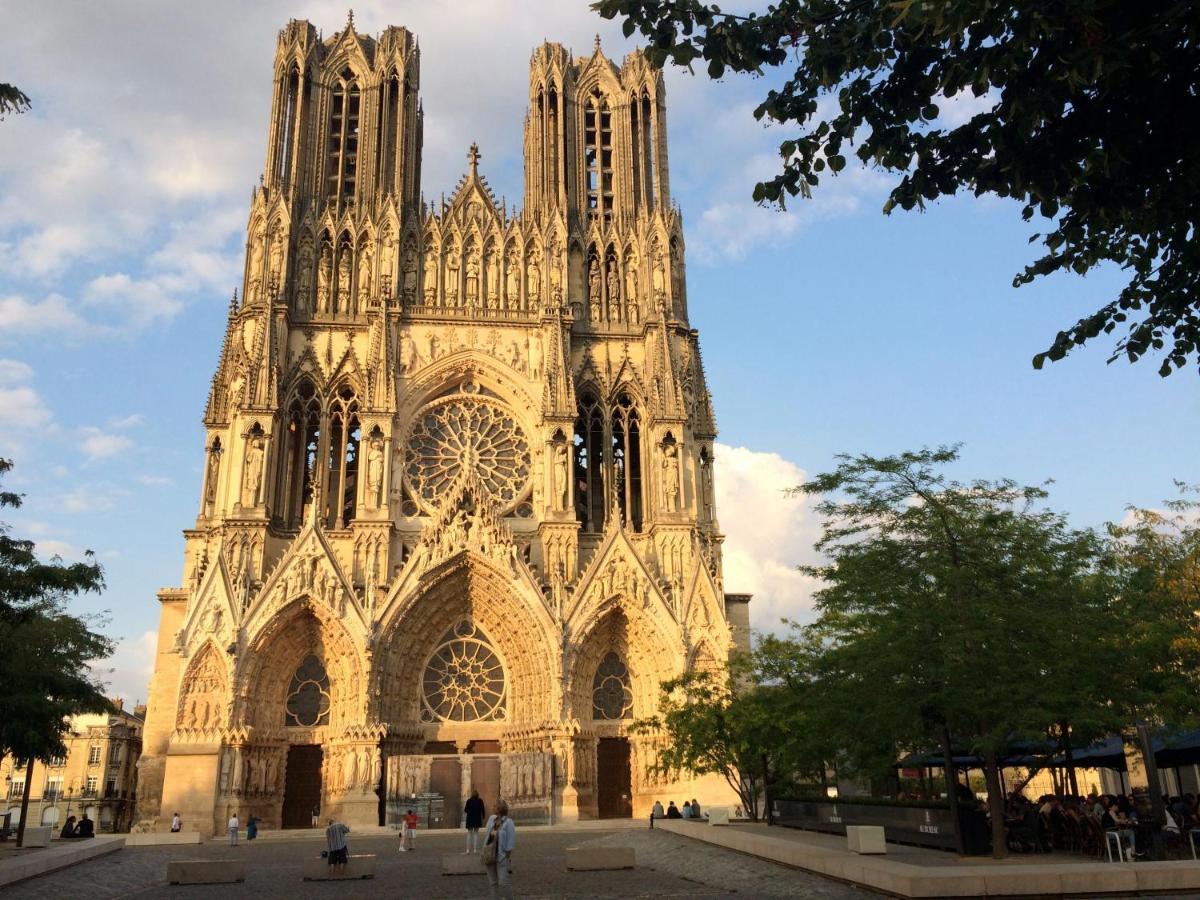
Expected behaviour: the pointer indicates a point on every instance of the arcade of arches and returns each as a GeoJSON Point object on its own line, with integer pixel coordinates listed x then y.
{"type": "Point", "coordinates": [456, 519]}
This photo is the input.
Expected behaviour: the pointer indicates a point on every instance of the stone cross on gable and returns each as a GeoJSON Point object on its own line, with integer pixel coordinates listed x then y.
{"type": "Point", "coordinates": [473, 157]}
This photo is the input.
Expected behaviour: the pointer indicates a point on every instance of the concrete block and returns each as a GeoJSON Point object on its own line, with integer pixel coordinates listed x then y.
{"type": "Point", "coordinates": [59, 856]}
{"type": "Point", "coordinates": [865, 839]}
{"type": "Point", "coordinates": [38, 835]}
{"type": "Point", "coordinates": [206, 871]}
{"type": "Point", "coordinates": [463, 864]}
{"type": "Point", "coordinates": [718, 815]}
{"type": "Point", "coordinates": [1017, 881]}
{"type": "Point", "coordinates": [317, 868]}
{"type": "Point", "coordinates": [1172, 875]}
{"type": "Point", "coordinates": [593, 859]}
{"type": "Point", "coordinates": [156, 838]}
{"type": "Point", "coordinates": [1093, 880]}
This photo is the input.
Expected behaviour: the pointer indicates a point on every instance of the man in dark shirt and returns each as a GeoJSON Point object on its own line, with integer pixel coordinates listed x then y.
{"type": "Point", "coordinates": [86, 827]}
{"type": "Point", "coordinates": [476, 813]}
{"type": "Point", "coordinates": [673, 811]}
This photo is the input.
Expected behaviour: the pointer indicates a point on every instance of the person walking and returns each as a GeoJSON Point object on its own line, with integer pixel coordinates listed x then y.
{"type": "Point", "coordinates": [498, 843]}
{"type": "Point", "coordinates": [251, 828]}
{"type": "Point", "coordinates": [176, 823]}
{"type": "Point", "coordinates": [338, 851]}
{"type": "Point", "coordinates": [408, 832]}
{"type": "Point", "coordinates": [316, 816]}
{"type": "Point", "coordinates": [475, 812]}
{"type": "Point", "coordinates": [233, 826]}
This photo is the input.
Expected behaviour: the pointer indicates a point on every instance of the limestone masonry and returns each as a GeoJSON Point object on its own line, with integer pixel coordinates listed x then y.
{"type": "Point", "coordinates": [456, 521]}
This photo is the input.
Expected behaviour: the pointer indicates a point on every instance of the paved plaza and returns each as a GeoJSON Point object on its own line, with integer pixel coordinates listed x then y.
{"type": "Point", "coordinates": [668, 866]}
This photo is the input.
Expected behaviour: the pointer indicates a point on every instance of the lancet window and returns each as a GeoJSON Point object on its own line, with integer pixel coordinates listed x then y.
{"type": "Point", "coordinates": [288, 127]}
{"type": "Point", "coordinates": [612, 697]}
{"type": "Point", "coordinates": [308, 702]}
{"type": "Point", "coordinates": [389, 129]}
{"type": "Point", "coordinates": [598, 155]}
{"type": "Point", "coordinates": [608, 463]}
{"type": "Point", "coordinates": [344, 438]}
{"type": "Point", "coordinates": [341, 151]}
{"type": "Point", "coordinates": [303, 441]}
{"type": "Point", "coordinates": [646, 151]}
{"type": "Point", "coordinates": [321, 454]}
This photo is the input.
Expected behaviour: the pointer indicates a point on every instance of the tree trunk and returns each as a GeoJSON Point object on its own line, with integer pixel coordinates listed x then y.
{"type": "Point", "coordinates": [952, 789]}
{"type": "Point", "coordinates": [1069, 756]}
{"type": "Point", "coordinates": [991, 772]}
{"type": "Point", "coordinates": [1155, 785]}
{"type": "Point", "coordinates": [25, 802]}
{"type": "Point", "coordinates": [767, 790]}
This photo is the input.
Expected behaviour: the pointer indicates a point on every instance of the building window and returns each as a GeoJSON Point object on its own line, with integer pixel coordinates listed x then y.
{"type": "Point", "coordinates": [16, 790]}
{"type": "Point", "coordinates": [308, 696]}
{"type": "Point", "coordinates": [114, 754]}
{"type": "Point", "coordinates": [110, 789]}
{"type": "Point", "coordinates": [341, 159]}
{"type": "Point", "coordinates": [608, 458]}
{"type": "Point", "coordinates": [54, 789]}
{"type": "Point", "coordinates": [94, 755]}
{"type": "Point", "coordinates": [612, 697]}
{"type": "Point", "coordinates": [92, 784]}
{"type": "Point", "coordinates": [464, 679]}
{"type": "Point", "coordinates": [57, 762]}
{"type": "Point", "coordinates": [342, 478]}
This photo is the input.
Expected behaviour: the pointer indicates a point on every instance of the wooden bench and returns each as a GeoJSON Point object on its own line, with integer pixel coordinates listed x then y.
{"type": "Point", "coordinates": [358, 866]}
{"type": "Point", "coordinates": [206, 871]}
{"type": "Point", "coordinates": [595, 859]}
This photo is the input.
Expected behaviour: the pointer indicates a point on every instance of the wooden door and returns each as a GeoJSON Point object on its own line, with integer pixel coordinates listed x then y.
{"type": "Point", "coordinates": [445, 778]}
{"type": "Point", "coordinates": [614, 794]}
{"type": "Point", "coordinates": [485, 778]}
{"type": "Point", "coordinates": [301, 785]}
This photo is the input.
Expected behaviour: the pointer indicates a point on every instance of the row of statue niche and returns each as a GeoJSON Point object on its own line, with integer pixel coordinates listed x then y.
{"type": "Point", "coordinates": [254, 267]}
{"type": "Point", "coordinates": [309, 576]}
{"type": "Point", "coordinates": [521, 353]}
{"type": "Point", "coordinates": [337, 291]}
{"type": "Point", "coordinates": [468, 529]}
{"type": "Point", "coordinates": [585, 764]}
{"type": "Point", "coordinates": [255, 771]}
{"type": "Point", "coordinates": [473, 282]}
{"type": "Point", "coordinates": [605, 301]}
{"type": "Point", "coordinates": [412, 776]}
{"type": "Point", "coordinates": [353, 769]}
{"type": "Point", "coordinates": [526, 775]}
{"type": "Point", "coordinates": [202, 706]}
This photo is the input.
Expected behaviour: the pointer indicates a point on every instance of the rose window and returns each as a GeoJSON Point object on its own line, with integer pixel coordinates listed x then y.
{"type": "Point", "coordinates": [467, 432]}
{"type": "Point", "coordinates": [611, 696]}
{"type": "Point", "coordinates": [464, 680]}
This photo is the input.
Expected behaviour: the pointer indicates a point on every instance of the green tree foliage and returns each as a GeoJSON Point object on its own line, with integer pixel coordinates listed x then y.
{"type": "Point", "coordinates": [1088, 117]}
{"type": "Point", "coordinates": [12, 100]}
{"type": "Point", "coordinates": [46, 651]}
{"type": "Point", "coordinates": [941, 611]}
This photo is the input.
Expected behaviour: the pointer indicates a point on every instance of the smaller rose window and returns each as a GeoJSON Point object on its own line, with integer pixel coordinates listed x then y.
{"type": "Point", "coordinates": [611, 695]}
{"type": "Point", "coordinates": [463, 680]}
{"type": "Point", "coordinates": [308, 695]}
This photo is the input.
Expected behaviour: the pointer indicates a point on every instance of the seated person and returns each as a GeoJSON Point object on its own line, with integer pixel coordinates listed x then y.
{"type": "Point", "coordinates": [673, 811]}
{"type": "Point", "coordinates": [86, 827]}
{"type": "Point", "coordinates": [695, 808]}
{"type": "Point", "coordinates": [68, 829]}
{"type": "Point", "coordinates": [657, 811]}
{"type": "Point", "coordinates": [687, 810]}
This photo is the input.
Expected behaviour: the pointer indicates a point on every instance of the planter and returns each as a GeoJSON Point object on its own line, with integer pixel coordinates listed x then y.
{"type": "Point", "coordinates": [923, 827]}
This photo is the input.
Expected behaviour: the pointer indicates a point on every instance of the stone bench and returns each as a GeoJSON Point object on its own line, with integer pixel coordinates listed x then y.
{"type": "Point", "coordinates": [206, 871]}
{"type": "Point", "coordinates": [718, 815]}
{"type": "Point", "coordinates": [317, 868]}
{"type": "Point", "coordinates": [463, 864]}
{"type": "Point", "coordinates": [594, 859]}
{"type": "Point", "coordinates": [865, 839]}
{"type": "Point", "coordinates": [38, 835]}
{"type": "Point", "coordinates": [155, 838]}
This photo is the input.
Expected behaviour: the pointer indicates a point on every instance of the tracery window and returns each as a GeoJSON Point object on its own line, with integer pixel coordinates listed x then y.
{"type": "Point", "coordinates": [463, 679]}
{"type": "Point", "coordinates": [341, 152]}
{"type": "Point", "coordinates": [598, 155]}
{"type": "Point", "coordinates": [307, 701]}
{"type": "Point", "coordinates": [612, 698]}
{"type": "Point", "coordinates": [303, 441]}
{"type": "Point", "coordinates": [287, 128]}
{"type": "Point", "coordinates": [389, 128]}
{"type": "Point", "coordinates": [627, 460]}
{"type": "Point", "coordinates": [608, 463]}
{"type": "Point", "coordinates": [469, 431]}
{"type": "Point", "coordinates": [590, 508]}
{"type": "Point", "coordinates": [342, 479]}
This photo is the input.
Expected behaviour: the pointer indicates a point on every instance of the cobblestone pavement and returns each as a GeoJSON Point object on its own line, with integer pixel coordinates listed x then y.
{"type": "Point", "coordinates": [668, 866]}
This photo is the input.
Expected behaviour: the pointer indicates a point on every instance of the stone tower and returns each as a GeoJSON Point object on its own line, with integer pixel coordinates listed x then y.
{"type": "Point", "coordinates": [456, 522]}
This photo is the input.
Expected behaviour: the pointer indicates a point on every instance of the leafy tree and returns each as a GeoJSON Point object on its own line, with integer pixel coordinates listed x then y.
{"type": "Point", "coordinates": [724, 725]}
{"type": "Point", "coordinates": [939, 608]}
{"type": "Point", "coordinates": [1088, 117]}
{"type": "Point", "coordinates": [12, 100]}
{"type": "Point", "coordinates": [46, 651]}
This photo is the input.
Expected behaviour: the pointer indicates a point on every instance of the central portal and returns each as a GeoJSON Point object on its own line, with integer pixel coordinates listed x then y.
{"type": "Point", "coordinates": [614, 795]}
{"type": "Point", "coordinates": [302, 785]}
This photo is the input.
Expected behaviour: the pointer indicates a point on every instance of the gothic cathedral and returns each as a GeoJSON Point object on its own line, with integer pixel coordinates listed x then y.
{"type": "Point", "coordinates": [456, 520]}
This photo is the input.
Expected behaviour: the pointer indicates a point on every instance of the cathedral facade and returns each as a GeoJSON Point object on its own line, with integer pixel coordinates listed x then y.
{"type": "Point", "coordinates": [456, 521]}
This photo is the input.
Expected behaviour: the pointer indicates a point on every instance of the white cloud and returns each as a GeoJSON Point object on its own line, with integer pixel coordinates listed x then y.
{"type": "Point", "coordinates": [13, 371]}
{"type": "Point", "coordinates": [21, 407]}
{"type": "Point", "coordinates": [155, 480]}
{"type": "Point", "coordinates": [97, 444]}
{"type": "Point", "coordinates": [127, 672]}
{"type": "Point", "coordinates": [86, 499]}
{"type": "Point", "coordinates": [48, 547]}
{"type": "Point", "coordinates": [767, 533]}
{"type": "Point", "coordinates": [131, 421]}
{"type": "Point", "coordinates": [20, 316]}
{"type": "Point", "coordinates": [138, 302]}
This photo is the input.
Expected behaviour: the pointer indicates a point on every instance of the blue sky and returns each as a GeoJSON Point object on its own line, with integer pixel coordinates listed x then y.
{"type": "Point", "coordinates": [828, 328]}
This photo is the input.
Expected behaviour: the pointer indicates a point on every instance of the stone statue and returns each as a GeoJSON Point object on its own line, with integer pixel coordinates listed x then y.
{"type": "Point", "coordinates": [254, 271]}
{"type": "Point", "coordinates": [364, 278]}
{"type": "Point", "coordinates": [631, 281]}
{"type": "Point", "coordinates": [561, 474]}
{"type": "Point", "coordinates": [303, 299]}
{"type": "Point", "coordinates": [452, 280]}
{"type": "Point", "coordinates": [535, 356]}
{"type": "Point", "coordinates": [342, 301]}
{"type": "Point", "coordinates": [660, 277]}
{"type": "Point", "coordinates": [374, 471]}
{"type": "Point", "coordinates": [210, 480]}
{"type": "Point", "coordinates": [252, 479]}
{"type": "Point", "coordinates": [472, 281]}
{"type": "Point", "coordinates": [594, 290]}
{"type": "Point", "coordinates": [410, 276]}
{"type": "Point", "coordinates": [670, 465]}
{"type": "Point", "coordinates": [275, 262]}
{"type": "Point", "coordinates": [434, 347]}
{"type": "Point", "coordinates": [272, 778]}
{"type": "Point", "coordinates": [556, 274]}
{"type": "Point", "coordinates": [493, 278]}
{"type": "Point", "coordinates": [533, 284]}
{"type": "Point", "coordinates": [324, 278]}
{"type": "Point", "coordinates": [614, 291]}
{"type": "Point", "coordinates": [349, 770]}
{"type": "Point", "coordinates": [430, 278]}
{"type": "Point", "coordinates": [408, 353]}
{"type": "Point", "coordinates": [513, 286]}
